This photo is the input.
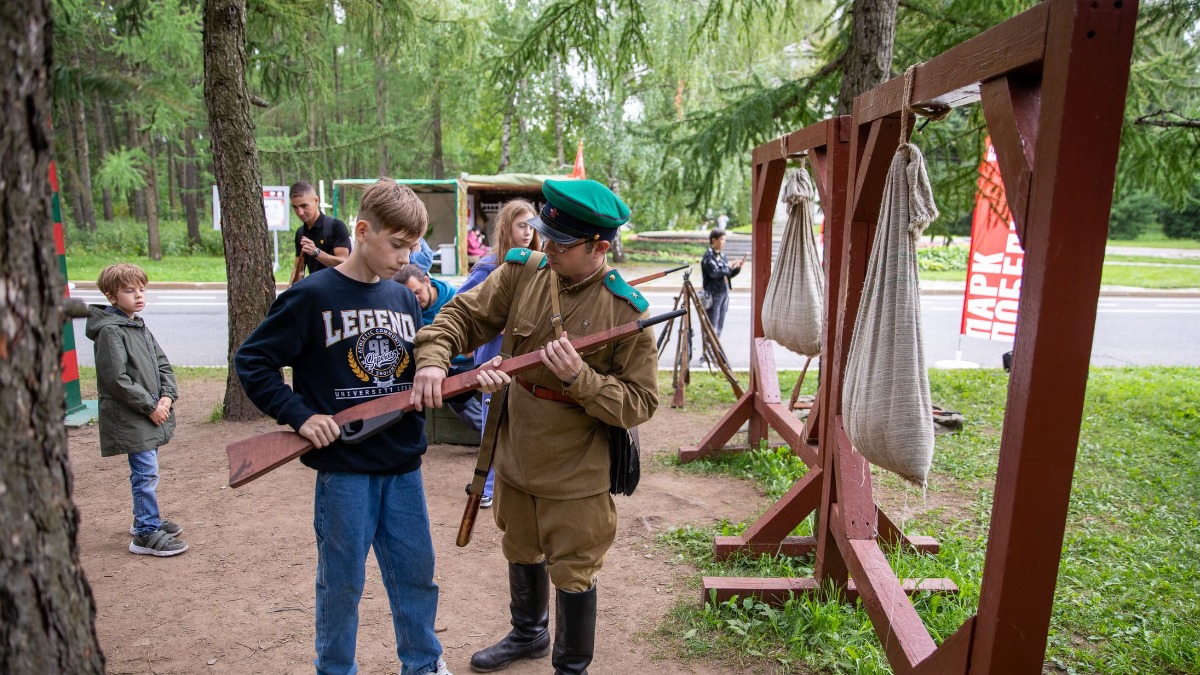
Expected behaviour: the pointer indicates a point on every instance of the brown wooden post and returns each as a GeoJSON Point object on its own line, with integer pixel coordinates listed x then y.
{"type": "Point", "coordinates": [1085, 76]}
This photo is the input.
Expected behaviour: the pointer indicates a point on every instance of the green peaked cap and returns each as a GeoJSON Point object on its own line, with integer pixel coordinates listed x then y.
{"type": "Point", "coordinates": [579, 209]}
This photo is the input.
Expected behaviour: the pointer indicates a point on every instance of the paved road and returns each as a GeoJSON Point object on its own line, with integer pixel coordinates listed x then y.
{"type": "Point", "coordinates": [192, 327]}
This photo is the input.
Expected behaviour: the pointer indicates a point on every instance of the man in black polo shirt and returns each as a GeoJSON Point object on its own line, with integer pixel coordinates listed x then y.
{"type": "Point", "coordinates": [323, 240]}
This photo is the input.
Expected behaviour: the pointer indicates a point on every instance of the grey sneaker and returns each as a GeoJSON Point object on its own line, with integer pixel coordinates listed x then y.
{"type": "Point", "coordinates": [165, 525]}
{"type": "Point", "coordinates": [158, 543]}
{"type": "Point", "coordinates": [485, 502]}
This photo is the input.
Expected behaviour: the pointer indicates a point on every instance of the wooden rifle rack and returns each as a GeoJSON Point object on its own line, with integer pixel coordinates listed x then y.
{"type": "Point", "coordinates": [710, 344]}
{"type": "Point", "coordinates": [1052, 83]}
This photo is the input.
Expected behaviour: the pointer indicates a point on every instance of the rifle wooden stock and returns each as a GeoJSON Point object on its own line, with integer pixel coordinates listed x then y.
{"type": "Point", "coordinates": [656, 275]}
{"type": "Point", "coordinates": [467, 526]}
{"type": "Point", "coordinates": [298, 269]}
{"type": "Point", "coordinates": [252, 457]}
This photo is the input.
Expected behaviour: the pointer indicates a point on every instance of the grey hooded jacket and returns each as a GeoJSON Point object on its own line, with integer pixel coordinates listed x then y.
{"type": "Point", "coordinates": [132, 374]}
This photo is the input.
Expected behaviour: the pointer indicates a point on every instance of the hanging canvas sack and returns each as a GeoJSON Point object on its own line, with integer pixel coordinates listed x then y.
{"type": "Point", "coordinates": [794, 306]}
{"type": "Point", "coordinates": [885, 395]}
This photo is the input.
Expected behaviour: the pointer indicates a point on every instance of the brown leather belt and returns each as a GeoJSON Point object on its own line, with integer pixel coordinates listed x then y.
{"type": "Point", "coordinates": [545, 392]}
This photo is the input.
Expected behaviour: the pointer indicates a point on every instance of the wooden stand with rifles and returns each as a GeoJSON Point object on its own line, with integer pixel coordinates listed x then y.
{"type": "Point", "coordinates": [710, 344]}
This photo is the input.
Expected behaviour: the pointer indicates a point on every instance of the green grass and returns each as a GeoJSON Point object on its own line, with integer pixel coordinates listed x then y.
{"type": "Point", "coordinates": [1128, 594]}
{"type": "Point", "coordinates": [1136, 276]}
{"type": "Point", "coordinates": [87, 376]}
{"type": "Point", "coordinates": [1153, 260]}
{"type": "Point", "coordinates": [1156, 240]}
{"type": "Point", "coordinates": [124, 240]}
{"type": "Point", "coordinates": [192, 268]}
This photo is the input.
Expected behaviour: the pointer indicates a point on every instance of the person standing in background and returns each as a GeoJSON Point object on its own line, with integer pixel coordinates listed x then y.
{"type": "Point", "coordinates": [717, 273]}
{"type": "Point", "coordinates": [323, 240]}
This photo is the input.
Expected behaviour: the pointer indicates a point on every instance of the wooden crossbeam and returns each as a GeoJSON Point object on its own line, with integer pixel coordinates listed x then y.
{"type": "Point", "coordinates": [776, 590]}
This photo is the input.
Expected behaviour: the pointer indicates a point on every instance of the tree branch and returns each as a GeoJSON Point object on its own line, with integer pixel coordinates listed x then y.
{"type": "Point", "coordinates": [1154, 119]}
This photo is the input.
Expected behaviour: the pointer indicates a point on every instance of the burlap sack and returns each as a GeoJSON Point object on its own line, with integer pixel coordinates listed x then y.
{"type": "Point", "coordinates": [794, 307]}
{"type": "Point", "coordinates": [885, 396]}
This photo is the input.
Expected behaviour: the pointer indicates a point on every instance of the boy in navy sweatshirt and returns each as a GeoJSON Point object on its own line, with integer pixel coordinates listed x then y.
{"type": "Point", "coordinates": [347, 334]}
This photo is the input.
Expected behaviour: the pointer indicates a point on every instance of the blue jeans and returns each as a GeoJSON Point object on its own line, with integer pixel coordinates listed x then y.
{"type": "Point", "coordinates": [143, 478]}
{"type": "Point", "coordinates": [469, 413]}
{"type": "Point", "coordinates": [489, 484]}
{"type": "Point", "coordinates": [352, 513]}
{"type": "Point", "coordinates": [716, 313]}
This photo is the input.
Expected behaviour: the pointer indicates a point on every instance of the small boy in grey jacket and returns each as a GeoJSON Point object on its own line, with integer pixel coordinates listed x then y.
{"type": "Point", "coordinates": [137, 390]}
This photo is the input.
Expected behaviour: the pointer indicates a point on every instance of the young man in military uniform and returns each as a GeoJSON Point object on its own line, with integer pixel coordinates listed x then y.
{"type": "Point", "coordinates": [552, 498]}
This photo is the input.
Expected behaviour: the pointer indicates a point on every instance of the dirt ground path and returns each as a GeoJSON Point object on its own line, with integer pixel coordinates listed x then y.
{"type": "Point", "coordinates": [241, 599]}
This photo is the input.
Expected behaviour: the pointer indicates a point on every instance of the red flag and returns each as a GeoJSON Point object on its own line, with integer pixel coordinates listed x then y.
{"type": "Point", "coordinates": [577, 171]}
{"type": "Point", "coordinates": [996, 260]}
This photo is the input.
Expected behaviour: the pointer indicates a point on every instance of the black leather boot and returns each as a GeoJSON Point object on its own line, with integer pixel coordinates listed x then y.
{"type": "Point", "coordinates": [574, 631]}
{"type": "Point", "coordinates": [529, 590]}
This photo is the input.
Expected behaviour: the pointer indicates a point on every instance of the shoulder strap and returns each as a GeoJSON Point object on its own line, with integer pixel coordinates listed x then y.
{"type": "Point", "coordinates": [524, 256]}
{"type": "Point", "coordinates": [617, 285]}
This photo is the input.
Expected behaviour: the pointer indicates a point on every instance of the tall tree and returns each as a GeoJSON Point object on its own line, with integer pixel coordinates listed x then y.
{"type": "Point", "coordinates": [868, 61]}
{"type": "Point", "coordinates": [88, 215]}
{"type": "Point", "coordinates": [149, 145]}
{"type": "Point", "coordinates": [191, 184]}
{"type": "Point", "coordinates": [48, 623]}
{"type": "Point", "coordinates": [235, 161]}
{"type": "Point", "coordinates": [102, 145]}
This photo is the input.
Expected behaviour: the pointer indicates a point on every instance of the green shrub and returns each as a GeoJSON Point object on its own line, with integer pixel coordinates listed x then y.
{"type": "Point", "coordinates": [124, 237]}
{"type": "Point", "coordinates": [1132, 216]}
{"type": "Point", "coordinates": [1184, 223]}
{"type": "Point", "coordinates": [942, 258]}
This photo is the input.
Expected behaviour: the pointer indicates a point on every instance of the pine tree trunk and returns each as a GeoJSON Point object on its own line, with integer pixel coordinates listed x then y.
{"type": "Point", "coordinates": [235, 163]}
{"type": "Point", "coordinates": [149, 143]}
{"type": "Point", "coordinates": [522, 132]}
{"type": "Point", "coordinates": [102, 146]}
{"type": "Point", "coordinates": [437, 165]}
{"type": "Point", "coordinates": [560, 156]}
{"type": "Point", "coordinates": [310, 107]}
{"type": "Point", "coordinates": [337, 89]}
{"type": "Point", "coordinates": [614, 184]}
{"type": "Point", "coordinates": [84, 186]}
{"type": "Point", "coordinates": [191, 189]}
{"type": "Point", "coordinates": [47, 613]}
{"type": "Point", "coordinates": [380, 91]}
{"type": "Point", "coordinates": [869, 59]}
{"type": "Point", "coordinates": [505, 138]}
{"type": "Point", "coordinates": [172, 180]}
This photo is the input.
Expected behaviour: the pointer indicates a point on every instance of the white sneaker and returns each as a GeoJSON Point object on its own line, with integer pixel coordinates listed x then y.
{"type": "Point", "coordinates": [441, 668]}
{"type": "Point", "coordinates": [485, 502]}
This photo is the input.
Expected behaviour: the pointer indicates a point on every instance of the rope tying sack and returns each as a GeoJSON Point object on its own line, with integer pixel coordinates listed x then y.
{"type": "Point", "coordinates": [885, 396]}
{"type": "Point", "coordinates": [794, 306]}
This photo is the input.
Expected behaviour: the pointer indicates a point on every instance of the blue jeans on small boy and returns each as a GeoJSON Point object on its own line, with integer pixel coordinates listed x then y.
{"type": "Point", "coordinates": [352, 513]}
{"type": "Point", "coordinates": [143, 478]}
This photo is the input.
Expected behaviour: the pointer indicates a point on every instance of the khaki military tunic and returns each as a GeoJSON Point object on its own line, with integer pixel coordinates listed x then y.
{"type": "Point", "coordinates": [547, 448]}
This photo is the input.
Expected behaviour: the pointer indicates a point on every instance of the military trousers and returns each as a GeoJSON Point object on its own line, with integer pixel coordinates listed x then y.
{"type": "Point", "coordinates": [572, 535]}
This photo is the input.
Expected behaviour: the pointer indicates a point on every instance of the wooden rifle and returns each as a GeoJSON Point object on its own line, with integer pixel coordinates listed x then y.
{"type": "Point", "coordinates": [252, 457]}
{"type": "Point", "coordinates": [656, 275]}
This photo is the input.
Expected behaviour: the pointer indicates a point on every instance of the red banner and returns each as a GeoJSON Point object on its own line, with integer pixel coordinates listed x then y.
{"type": "Point", "coordinates": [578, 171]}
{"type": "Point", "coordinates": [996, 261]}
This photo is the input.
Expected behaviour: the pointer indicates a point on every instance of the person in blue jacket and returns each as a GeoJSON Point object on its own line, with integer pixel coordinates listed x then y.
{"type": "Point", "coordinates": [433, 294]}
{"type": "Point", "coordinates": [512, 231]}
